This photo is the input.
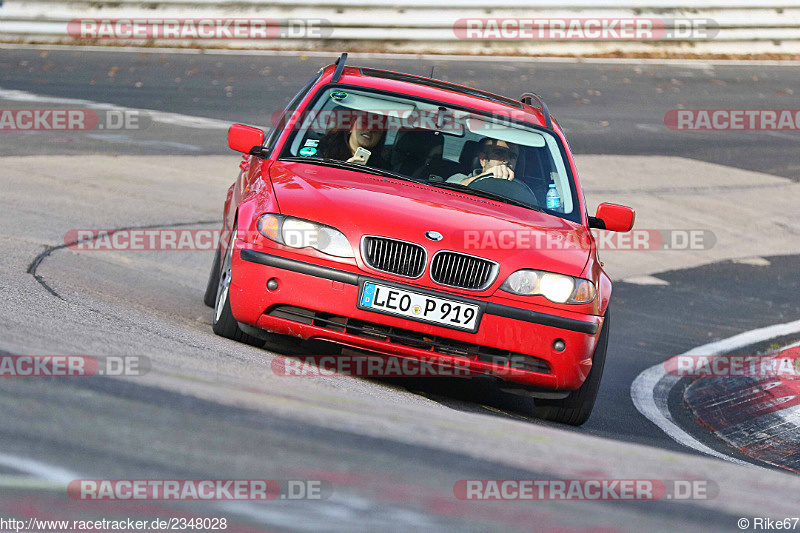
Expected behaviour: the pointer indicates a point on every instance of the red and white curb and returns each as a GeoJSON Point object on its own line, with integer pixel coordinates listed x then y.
{"type": "Point", "coordinates": [759, 416]}
{"type": "Point", "coordinates": [651, 389]}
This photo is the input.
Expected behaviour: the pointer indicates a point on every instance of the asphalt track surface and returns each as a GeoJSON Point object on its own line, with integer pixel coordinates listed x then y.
{"type": "Point", "coordinates": [211, 409]}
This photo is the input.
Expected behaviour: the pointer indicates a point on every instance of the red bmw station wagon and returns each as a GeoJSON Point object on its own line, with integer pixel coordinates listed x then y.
{"type": "Point", "coordinates": [411, 217]}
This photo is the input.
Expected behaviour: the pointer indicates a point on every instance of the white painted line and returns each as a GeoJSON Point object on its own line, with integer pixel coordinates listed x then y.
{"type": "Point", "coordinates": [688, 63]}
{"type": "Point", "coordinates": [646, 280]}
{"type": "Point", "coordinates": [651, 127]}
{"type": "Point", "coordinates": [49, 478]}
{"type": "Point", "coordinates": [37, 469]}
{"type": "Point", "coordinates": [651, 388]}
{"type": "Point", "coordinates": [30, 483]}
{"type": "Point", "coordinates": [747, 338]}
{"type": "Point", "coordinates": [753, 261]}
{"type": "Point", "coordinates": [118, 138]}
{"type": "Point", "coordinates": [175, 119]}
{"type": "Point", "coordinates": [781, 135]}
{"type": "Point", "coordinates": [649, 392]}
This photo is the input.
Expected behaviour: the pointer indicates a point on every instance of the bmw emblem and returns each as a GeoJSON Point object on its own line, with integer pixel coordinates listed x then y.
{"type": "Point", "coordinates": [434, 235]}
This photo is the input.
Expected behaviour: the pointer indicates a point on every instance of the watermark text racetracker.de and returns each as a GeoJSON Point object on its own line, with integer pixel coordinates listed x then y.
{"type": "Point", "coordinates": [169, 239]}
{"type": "Point", "coordinates": [73, 365]}
{"type": "Point", "coordinates": [201, 523]}
{"type": "Point", "coordinates": [784, 365]}
{"type": "Point", "coordinates": [634, 240]}
{"type": "Point", "coordinates": [380, 366]}
{"type": "Point", "coordinates": [188, 239]}
{"type": "Point", "coordinates": [198, 28]}
{"type": "Point", "coordinates": [199, 489]}
{"type": "Point", "coordinates": [590, 29]}
{"type": "Point", "coordinates": [733, 119]}
{"type": "Point", "coordinates": [584, 489]}
{"type": "Point", "coordinates": [72, 120]}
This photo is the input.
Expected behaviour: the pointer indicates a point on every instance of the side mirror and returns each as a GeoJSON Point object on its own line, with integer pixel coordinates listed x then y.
{"type": "Point", "coordinates": [613, 217]}
{"type": "Point", "coordinates": [245, 139]}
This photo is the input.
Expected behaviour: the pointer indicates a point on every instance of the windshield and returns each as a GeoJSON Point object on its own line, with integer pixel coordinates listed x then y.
{"type": "Point", "coordinates": [438, 145]}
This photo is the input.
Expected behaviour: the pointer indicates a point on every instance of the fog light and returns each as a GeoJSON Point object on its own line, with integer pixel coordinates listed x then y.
{"type": "Point", "coordinates": [272, 284]}
{"type": "Point", "coordinates": [559, 345]}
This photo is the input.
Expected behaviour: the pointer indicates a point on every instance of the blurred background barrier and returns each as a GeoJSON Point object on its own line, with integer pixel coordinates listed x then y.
{"type": "Point", "coordinates": [511, 27]}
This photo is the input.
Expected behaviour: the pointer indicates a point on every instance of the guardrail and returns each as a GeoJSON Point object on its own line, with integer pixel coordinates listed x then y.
{"type": "Point", "coordinates": [719, 26]}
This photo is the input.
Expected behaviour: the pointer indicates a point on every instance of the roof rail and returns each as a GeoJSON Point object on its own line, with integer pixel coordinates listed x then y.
{"type": "Point", "coordinates": [527, 98]}
{"type": "Point", "coordinates": [339, 67]}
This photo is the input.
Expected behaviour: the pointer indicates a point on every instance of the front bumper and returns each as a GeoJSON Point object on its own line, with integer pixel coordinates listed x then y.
{"type": "Point", "coordinates": [317, 301]}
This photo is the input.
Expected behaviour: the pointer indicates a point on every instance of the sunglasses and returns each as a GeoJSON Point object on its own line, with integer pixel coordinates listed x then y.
{"type": "Point", "coordinates": [502, 153]}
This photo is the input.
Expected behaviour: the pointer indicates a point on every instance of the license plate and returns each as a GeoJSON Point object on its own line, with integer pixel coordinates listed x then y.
{"type": "Point", "coordinates": [422, 307]}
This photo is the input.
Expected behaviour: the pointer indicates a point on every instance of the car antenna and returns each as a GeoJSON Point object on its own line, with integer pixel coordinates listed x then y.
{"type": "Point", "coordinates": [432, 67]}
{"type": "Point", "coordinates": [339, 67]}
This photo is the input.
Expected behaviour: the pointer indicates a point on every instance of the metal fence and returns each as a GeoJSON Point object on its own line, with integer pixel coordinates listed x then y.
{"type": "Point", "coordinates": [530, 27]}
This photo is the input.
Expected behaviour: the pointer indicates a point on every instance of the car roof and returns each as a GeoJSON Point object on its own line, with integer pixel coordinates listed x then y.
{"type": "Point", "coordinates": [439, 90]}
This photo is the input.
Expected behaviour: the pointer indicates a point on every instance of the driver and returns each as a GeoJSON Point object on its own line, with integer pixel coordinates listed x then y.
{"type": "Point", "coordinates": [498, 160]}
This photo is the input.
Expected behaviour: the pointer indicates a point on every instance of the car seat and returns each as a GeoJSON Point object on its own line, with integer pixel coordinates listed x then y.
{"type": "Point", "coordinates": [413, 150]}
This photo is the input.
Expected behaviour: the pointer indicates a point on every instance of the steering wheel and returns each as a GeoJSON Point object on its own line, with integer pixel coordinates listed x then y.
{"type": "Point", "coordinates": [514, 189]}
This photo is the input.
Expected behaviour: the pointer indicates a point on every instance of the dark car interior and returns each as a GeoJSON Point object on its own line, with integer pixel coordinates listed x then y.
{"type": "Point", "coordinates": [420, 154]}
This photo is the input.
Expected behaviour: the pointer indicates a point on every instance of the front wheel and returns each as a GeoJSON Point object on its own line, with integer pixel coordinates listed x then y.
{"type": "Point", "coordinates": [576, 408]}
{"type": "Point", "coordinates": [224, 324]}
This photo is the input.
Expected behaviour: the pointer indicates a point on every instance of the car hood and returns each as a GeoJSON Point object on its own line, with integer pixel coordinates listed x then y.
{"type": "Point", "coordinates": [363, 204]}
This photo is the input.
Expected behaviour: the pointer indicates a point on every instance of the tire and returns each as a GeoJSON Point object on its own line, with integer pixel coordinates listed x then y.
{"type": "Point", "coordinates": [210, 298]}
{"type": "Point", "coordinates": [223, 322]}
{"type": "Point", "coordinates": [576, 408]}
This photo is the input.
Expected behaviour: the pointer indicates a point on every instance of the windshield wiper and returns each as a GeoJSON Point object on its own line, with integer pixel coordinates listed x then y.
{"type": "Point", "coordinates": [349, 166]}
{"type": "Point", "coordinates": [483, 194]}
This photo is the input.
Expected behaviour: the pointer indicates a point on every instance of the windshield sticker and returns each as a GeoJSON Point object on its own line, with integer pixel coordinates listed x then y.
{"type": "Point", "coordinates": [311, 142]}
{"type": "Point", "coordinates": [338, 95]}
{"type": "Point", "coordinates": [308, 151]}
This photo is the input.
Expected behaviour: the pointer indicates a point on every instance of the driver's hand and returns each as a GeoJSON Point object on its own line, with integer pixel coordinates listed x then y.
{"type": "Point", "coordinates": [356, 159]}
{"type": "Point", "coordinates": [502, 172]}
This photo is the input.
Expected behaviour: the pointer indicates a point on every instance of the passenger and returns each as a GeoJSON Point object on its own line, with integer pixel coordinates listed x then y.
{"type": "Point", "coordinates": [497, 158]}
{"type": "Point", "coordinates": [341, 143]}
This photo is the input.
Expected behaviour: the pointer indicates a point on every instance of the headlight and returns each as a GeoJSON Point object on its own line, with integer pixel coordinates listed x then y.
{"type": "Point", "coordinates": [298, 233]}
{"type": "Point", "coordinates": [557, 288]}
